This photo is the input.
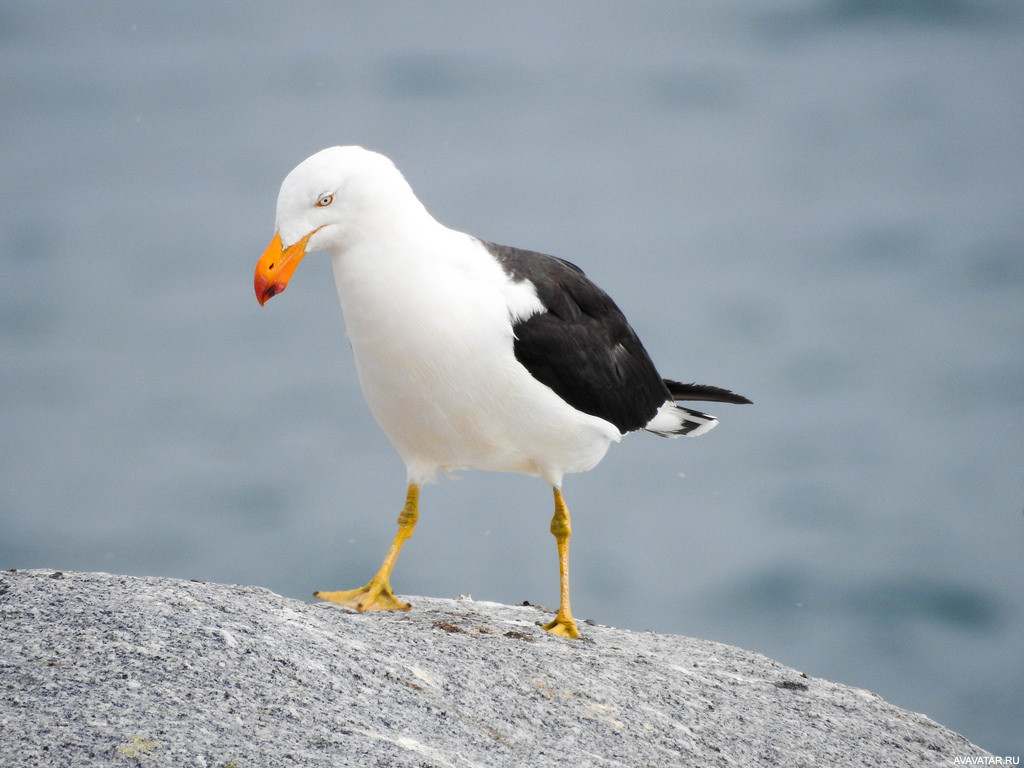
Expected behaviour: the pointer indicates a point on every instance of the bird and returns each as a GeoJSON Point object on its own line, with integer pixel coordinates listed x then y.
{"type": "Point", "coordinates": [470, 354]}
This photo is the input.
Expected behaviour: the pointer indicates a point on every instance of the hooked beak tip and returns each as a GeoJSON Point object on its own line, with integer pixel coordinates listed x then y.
{"type": "Point", "coordinates": [266, 290]}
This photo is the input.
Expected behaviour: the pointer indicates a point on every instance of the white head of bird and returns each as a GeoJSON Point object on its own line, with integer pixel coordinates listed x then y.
{"type": "Point", "coordinates": [329, 202]}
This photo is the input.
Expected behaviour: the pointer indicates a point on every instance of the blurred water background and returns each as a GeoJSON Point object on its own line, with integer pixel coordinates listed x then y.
{"type": "Point", "coordinates": [816, 203]}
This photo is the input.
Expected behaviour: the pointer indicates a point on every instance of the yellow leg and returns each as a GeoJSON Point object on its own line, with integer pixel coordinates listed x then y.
{"type": "Point", "coordinates": [377, 595]}
{"type": "Point", "coordinates": [563, 625]}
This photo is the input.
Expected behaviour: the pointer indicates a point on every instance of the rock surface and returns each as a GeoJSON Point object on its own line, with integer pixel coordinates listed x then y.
{"type": "Point", "coordinates": [99, 670]}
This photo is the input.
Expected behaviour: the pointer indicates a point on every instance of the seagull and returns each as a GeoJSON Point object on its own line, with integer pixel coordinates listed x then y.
{"type": "Point", "coordinates": [470, 355]}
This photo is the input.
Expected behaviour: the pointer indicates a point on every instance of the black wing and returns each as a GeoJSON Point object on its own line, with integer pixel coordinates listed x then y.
{"type": "Point", "coordinates": [704, 392]}
{"type": "Point", "coordinates": [582, 347]}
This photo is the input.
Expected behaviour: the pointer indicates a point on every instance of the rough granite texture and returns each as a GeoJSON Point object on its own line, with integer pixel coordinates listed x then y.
{"type": "Point", "coordinates": [101, 670]}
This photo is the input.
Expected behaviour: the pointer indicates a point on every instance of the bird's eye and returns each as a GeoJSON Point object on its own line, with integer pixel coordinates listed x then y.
{"type": "Point", "coordinates": [324, 201]}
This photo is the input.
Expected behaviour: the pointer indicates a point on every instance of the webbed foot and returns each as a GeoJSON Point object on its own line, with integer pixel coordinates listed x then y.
{"type": "Point", "coordinates": [375, 596]}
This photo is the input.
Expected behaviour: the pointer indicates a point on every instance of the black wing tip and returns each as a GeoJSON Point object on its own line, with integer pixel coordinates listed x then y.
{"type": "Point", "coordinates": [680, 391]}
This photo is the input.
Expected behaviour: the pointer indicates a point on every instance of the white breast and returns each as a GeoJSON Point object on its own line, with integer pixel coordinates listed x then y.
{"type": "Point", "coordinates": [429, 314]}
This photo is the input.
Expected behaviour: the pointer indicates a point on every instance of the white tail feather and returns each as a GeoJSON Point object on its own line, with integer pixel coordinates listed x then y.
{"type": "Point", "coordinates": [673, 420]}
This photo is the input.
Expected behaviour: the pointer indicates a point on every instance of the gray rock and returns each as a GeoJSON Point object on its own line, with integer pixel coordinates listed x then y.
{"type": "Point", "coordinates": [100, 670]}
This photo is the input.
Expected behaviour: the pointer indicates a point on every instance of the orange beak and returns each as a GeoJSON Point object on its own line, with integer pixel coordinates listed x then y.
{"type": "Point", "coordinates": [276, 266]}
